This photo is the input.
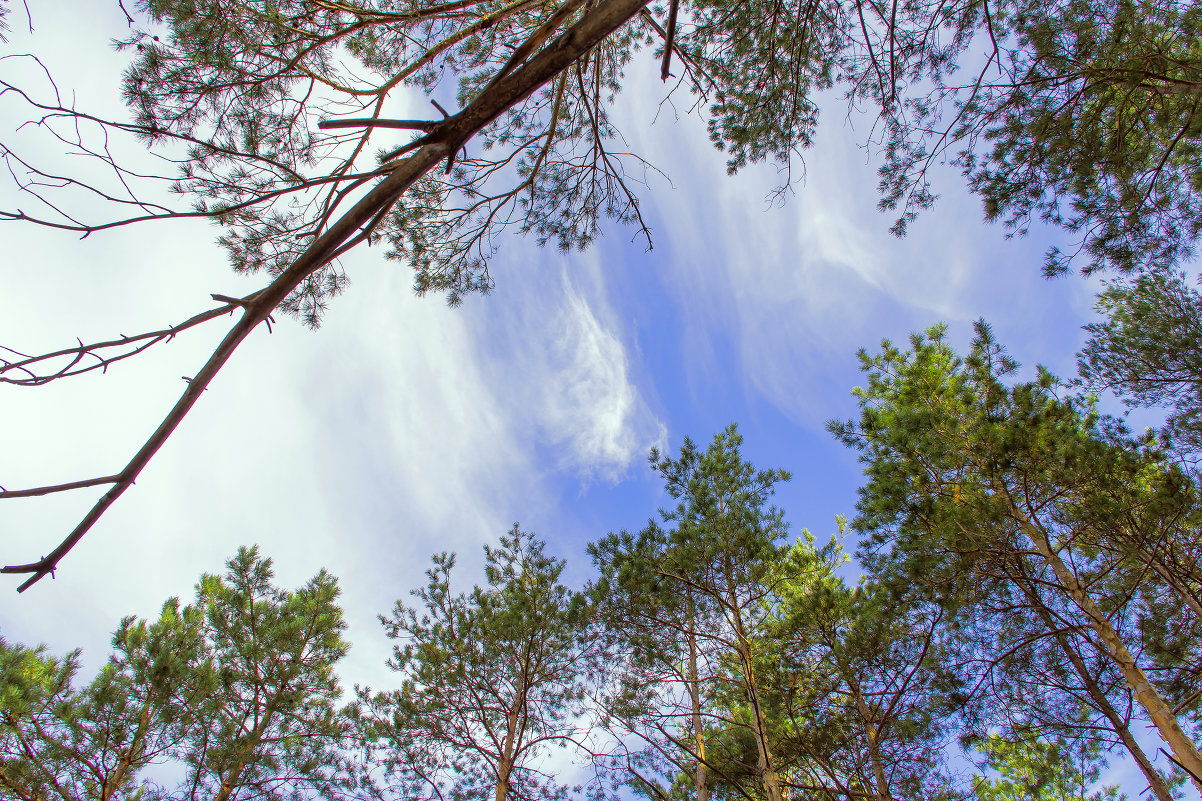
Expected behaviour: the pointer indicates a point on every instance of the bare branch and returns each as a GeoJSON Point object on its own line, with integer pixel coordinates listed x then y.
{"type": "Point", "coordinates": [572, 44]}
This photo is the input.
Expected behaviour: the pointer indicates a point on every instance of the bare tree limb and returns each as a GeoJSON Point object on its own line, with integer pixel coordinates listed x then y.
{"type": "Point", "coordinates": [445, 138]}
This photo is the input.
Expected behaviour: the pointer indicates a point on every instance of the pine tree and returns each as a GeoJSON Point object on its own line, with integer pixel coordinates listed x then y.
{"type": "Point", "coordinates": [269, 725]}
{"type": "Point", "coordinates": [491, 679]}
{"type": "Point", "coordinates": [1145, 350]}
{"type": "Point", "coordinates": [1085, 114]}
{"type": "Point", "coordinates": [90, 743]}
{"type": "Point", "coordinates": [858, 677]}
{"type": "Point", "coordinates": [237, 689]}
{"type": "Point", "coordinates": [663, 664]}
{"type": "Point", "coordinates": [711, 582]}
{"type": "Point", "coordinates": [974, 484]}
{"type": "Point", "coordinates": [1034, 769]}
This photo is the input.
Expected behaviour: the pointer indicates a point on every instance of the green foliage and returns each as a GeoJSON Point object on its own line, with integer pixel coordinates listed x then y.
{"type": "Point", "coordinates": [91, 742]}
{"type": "Point", "coordinates": [1146, 350]}
{"type": "Point", "coordinates": [1033, 769]}
{"type": "Point", "coordinates": [857, 676]}
{"type": "Point", "coordinates": [691, 615]}
{"type": "Point", "coordinates": [951, 451]}
{"type": "Point", "coordinates": [490, 679]}
{"type": "Point", "coordinates": [238, 687]}
{"type": "Point", "coordinates": [269, 726]}
{"type": "Point", "coordinates": [764, 60]}
{"type": "Point", "coordinates": [1085, 115]}
{"type": "Point", "coordinates": [1049, 527]}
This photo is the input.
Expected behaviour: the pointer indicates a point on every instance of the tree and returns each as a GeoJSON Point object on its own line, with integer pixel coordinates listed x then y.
{"type": "Point", "coordinates": [269, 725]}
{"type": "Point", "coordinates": [974, 481]}
{"type": "Point", "coordinates": [1085, 114]}
{"type": "Point", "coordinates": [1033, 769]}
{"type": "Point", "coordinates": [715, 579]}
{"type": "Point", "coordinates": [90, 743]}
{"type": "Point", "coordinates": [662, 663]}
{"type": "Point", "coordinates": [857, 678]}
{"type": "Point", "coordinates": [1025, 667]}
{"type": "Point", "coordinates": [237, 689]}
{"type": "Point", "coordinates": [490, 679]}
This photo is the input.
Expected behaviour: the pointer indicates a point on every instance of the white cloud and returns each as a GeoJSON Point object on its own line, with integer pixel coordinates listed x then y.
{"type": "Point", "coordinates": [590, 404]}
{"type": "Point", "coordinates": [560, 358]}
{"type": "Point", "coordinates": [794, 289]}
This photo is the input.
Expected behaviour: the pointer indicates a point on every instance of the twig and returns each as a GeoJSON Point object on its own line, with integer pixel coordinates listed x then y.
{"type": "Point", "coordinates": [36, 491]}
{"type": "Point", "coordinates": [77, 353]}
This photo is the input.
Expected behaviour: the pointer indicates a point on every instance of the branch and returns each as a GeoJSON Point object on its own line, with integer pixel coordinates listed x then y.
{"type": "Point", "coordinates": [31, 493]}
{"type": "Point", "coordinates": [669, 41]}
{"type": "Point", "coordinates": [148, 340]}
{"type": "Point", "coordinates": [413, 125]}
{"type": "Point", "coordinates": [575, 42]}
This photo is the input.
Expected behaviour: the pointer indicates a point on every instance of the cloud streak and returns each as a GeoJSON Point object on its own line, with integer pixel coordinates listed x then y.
{"type": "Point", "coordinates": [591, 407]}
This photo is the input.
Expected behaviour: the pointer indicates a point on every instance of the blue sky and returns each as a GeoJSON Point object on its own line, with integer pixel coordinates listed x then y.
{"type": "Point", "coordinates": [403, 428]}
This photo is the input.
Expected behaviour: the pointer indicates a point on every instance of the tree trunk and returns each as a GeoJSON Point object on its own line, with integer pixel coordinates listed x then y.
{"type": "Point", "coordinates": [512, 735]}
{"type": "Point", "coordinates": [870, 734]}
{"type": "Point", "coordinates": [759, 721]}
{"type": "Point", "coordinates": [116, 779]}
{"type": "Point", "coordinates": [229, 782]}
{"type": "Point", "coordinates": [700, 775]}
{"type": "Point", "coordinates": [1161, 714]}
{"type": "Point", "coordinates": [1155, 781]}
{"type": "Point", "coordinates": [1183, 591]}
{"type": "Point", "coordinates": [504, 771]}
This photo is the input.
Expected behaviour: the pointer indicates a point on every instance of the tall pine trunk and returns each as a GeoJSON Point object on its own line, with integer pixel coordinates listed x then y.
{"type": "Point", "coordinates": [871, 734]}
{"type": "Point", "coordinates": [700, 774]}
{"type": "Point", "coordinates": [1185, 752]}
{"type": "Point", "coordinates": [1155, 781]}
{"type": "Point", "coordinates": [512, 734]}
{"type": "Point", "coordinates": [759, 722]}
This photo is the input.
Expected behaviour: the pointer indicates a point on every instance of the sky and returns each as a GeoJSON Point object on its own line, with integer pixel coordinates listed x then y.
{"type": "Point", "coordinates": [403, 428]}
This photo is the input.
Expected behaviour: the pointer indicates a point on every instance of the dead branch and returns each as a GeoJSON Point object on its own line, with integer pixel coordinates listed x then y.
{"type": "Point", "coordinates": [444, 139]}
{"type": "Point", "coordinates": [134, 345]}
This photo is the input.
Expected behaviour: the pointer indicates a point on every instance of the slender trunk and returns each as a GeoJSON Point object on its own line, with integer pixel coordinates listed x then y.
{"type": "Point", "coordinates": [1183, 591]}
{"type": "Point", "coordinates": [759, 723]}
{"type": "Point", "coordinates": [509, 748]}
{"type": "Point", "coordinates": [1102, 703]}
{"type": "Point", "coordinates": [870, 734]}
{"type": "Point", "coordinates": [700, 775]}
{"type": "Point", "coordinates": [1161, 714]}
{"type": "Point", "coordinates": [116, 779]}
{"type": "Point", "coordinates": [504, 771]}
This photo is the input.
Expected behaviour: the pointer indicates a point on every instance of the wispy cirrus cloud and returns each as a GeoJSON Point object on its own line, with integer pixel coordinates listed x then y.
{"type": "Point", "coordinates": [561, 352]}
{"type": "Point", "coordinates": [794, 288]}
{"type": "Point", "coordinates": [591, 406]}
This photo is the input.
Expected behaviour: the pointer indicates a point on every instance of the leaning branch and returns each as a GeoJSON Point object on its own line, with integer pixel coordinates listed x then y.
{"type": "Point", "coordinates": [447, 137]}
